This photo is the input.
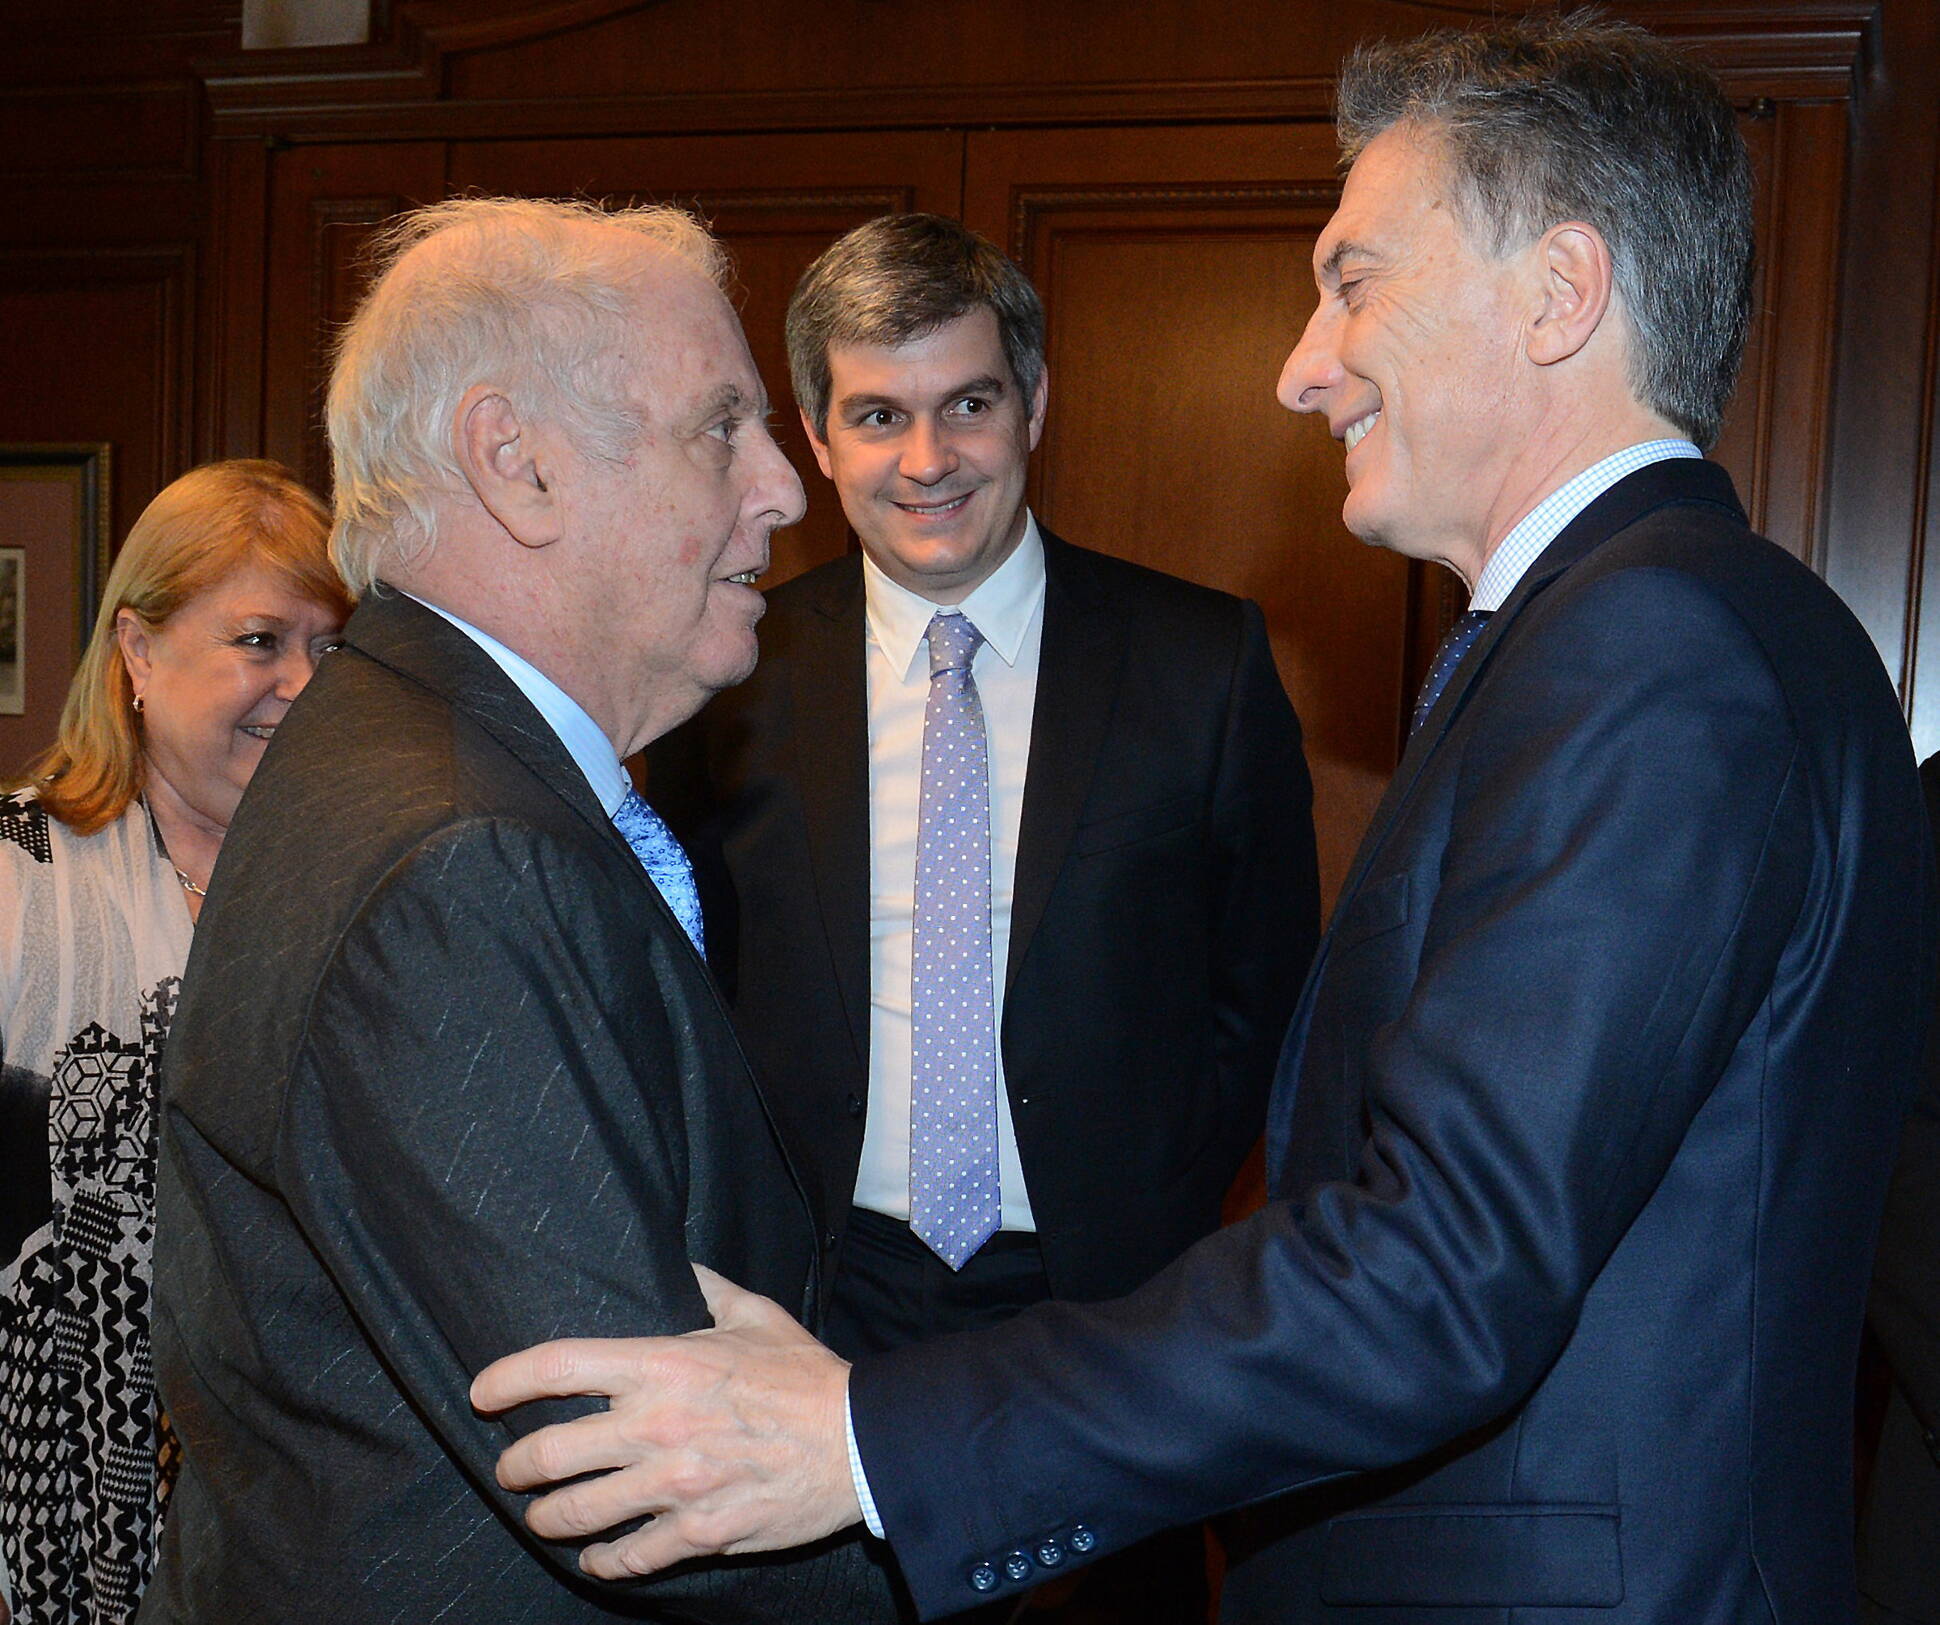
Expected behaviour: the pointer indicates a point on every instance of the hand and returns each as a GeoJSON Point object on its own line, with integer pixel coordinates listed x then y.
{"type": "Point", "coordinates": [733, 1437]}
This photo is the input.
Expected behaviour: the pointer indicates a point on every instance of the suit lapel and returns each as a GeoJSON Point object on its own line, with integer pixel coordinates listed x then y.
{"type": "Point", "coordinates": [1079, 660]}
{"type": "Point", "coordinates": [1630, 499]}
{"type": "Point", "coordinates": [1622, 505]}
{"type": "Point", "coordinates": [423, 646]}
{"type": "Point", "coordinates": [830, 741]}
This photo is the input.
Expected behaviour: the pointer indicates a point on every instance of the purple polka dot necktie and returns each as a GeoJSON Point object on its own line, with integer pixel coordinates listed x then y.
{"type": "Point", "coordinates": [1461, 638]}
{"type": "Point", "coordinates": [665, 860]}
{"type": "Point", "coordinates": [953, 1189]}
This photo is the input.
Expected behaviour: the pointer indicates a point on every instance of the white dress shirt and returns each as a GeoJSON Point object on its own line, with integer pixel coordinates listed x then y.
{"type": "Point", "coordinates": [1008, 609]}
{"type": "Point", "coordinates": [579, 733]}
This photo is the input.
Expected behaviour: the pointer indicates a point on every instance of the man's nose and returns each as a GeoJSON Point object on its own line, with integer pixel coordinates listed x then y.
{"type": "Point", "coordinates": [927, 453]}
{"type": "Point", "coordinates": [781, 496]}
{"type": "Point", "coordinates": [1314, 366]}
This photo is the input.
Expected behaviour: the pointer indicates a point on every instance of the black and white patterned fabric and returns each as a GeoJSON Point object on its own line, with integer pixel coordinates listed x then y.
{"type": "Point", "coordinates": [93, 936]}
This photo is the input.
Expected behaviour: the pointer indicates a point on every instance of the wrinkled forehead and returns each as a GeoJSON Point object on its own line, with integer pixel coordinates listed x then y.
{"type": "Point", "coordinates": [1401, 185]}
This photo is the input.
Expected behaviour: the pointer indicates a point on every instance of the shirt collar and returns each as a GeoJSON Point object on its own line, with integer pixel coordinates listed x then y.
{"type": "Point", "coordinates": [590, 749]}
{"type": "Point", "coordinates": [1001, 607]}
{"type": "Point", "coordinates": [1544, 523]}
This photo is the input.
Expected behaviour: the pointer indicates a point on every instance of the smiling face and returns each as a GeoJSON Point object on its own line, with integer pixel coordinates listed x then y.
{"type": "Point", "coordinates": [217, 677]}
{"type": "Point", "coordinates": [667, 544]}
{"type": "Point", "coordinates": [928, 444]}
{"type": "Point", "coordinates": [1415, 355]}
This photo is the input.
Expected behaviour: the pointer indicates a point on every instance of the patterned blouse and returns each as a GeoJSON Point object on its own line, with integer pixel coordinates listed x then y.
{"type": "Point", "coordinates": [94, 933]}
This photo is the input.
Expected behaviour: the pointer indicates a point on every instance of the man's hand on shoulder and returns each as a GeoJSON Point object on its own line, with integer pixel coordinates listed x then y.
{"type": "Point", "coordinates": [733, 1439]}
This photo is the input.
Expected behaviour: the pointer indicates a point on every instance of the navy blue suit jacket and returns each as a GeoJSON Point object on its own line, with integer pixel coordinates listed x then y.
{"type": "Point", "coordinates": [1580, 1142]}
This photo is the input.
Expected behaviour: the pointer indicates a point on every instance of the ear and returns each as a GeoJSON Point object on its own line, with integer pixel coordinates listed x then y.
{"type": "Point", "coordinates": [1040, 399]}
{"type": "Point", "coordinates": [816, 443]}
{"type": "Point", "coordinates": [1578, 281]}
{"type": "Point", "coordinates": [134, 638]}
{"type": "Point", "coordinates": [503, 460]}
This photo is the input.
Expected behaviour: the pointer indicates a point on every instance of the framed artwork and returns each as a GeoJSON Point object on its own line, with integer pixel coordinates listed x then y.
{"type": "Point", "coordinates": [53, 565]}
{"type": "Point", "coordinates": [13, 631]}
{"type": "Point", "coordinates": [53, 559]}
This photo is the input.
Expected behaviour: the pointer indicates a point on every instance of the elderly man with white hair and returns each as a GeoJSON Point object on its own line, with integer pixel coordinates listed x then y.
{"type": "Point", "coordinates": [450, 1075]}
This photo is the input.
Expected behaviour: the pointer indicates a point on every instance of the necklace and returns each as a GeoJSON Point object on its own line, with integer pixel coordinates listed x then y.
{"type": "Point", "coordinates": [189, 885]}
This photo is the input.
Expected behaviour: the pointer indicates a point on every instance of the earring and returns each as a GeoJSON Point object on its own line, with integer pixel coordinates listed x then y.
{"type": "Point", "coordinates": [138, 704]}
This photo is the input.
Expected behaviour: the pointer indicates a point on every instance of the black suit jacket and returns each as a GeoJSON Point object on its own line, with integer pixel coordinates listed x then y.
{"type": "Point", "coordinates": [447, 1080]}
{"type": "Point", "coordinates": [1580, 1142]}
{"type": "Point", "coordinates": [1899, 1537]}
{"type": "Point", "coordinates": [1165, 899]}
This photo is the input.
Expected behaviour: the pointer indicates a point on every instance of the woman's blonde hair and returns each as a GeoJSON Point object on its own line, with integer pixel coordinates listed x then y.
{"type": "Point", "coordinates": [214, 520]}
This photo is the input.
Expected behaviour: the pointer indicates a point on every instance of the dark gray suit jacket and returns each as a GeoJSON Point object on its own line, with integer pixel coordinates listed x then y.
{"type": "Point", "coordinates": [447, 1080]}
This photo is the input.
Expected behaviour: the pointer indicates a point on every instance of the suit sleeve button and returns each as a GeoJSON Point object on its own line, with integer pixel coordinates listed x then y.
{"type": "Point", "coordinates": [828, 1240]}
{"type": "Point", "coordinates": [1049, 1553]}
{"type": "Point", "coordinates": [1081, 1539]}
{"type": "Point", "coordinates": [854, 1104]}
{"type": "Point", "coordinates": [1017, 1564]}
{"type": "Point", "coordinates": [984, 1577]}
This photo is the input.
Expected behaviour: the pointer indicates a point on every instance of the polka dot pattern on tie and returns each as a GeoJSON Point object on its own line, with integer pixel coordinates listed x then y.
{"type": "Point", "coordinates": [665, 860]}
{"type": "Point", "coordinates": [1461, 638]}
{"type": "Point", "coordinates": [953, 1182]}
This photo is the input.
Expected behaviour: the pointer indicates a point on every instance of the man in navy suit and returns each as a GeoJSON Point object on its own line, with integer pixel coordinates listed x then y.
{"type": "Point", "coordinates": [1583, 1128]}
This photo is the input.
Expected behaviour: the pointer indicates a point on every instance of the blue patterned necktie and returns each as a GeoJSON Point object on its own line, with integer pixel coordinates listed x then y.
{"type": "Point", "coordinates": [1461, 638]}
{"type": "Point", "coordinates": [661, 855]}
{"type": "Point", "coordinates": [953, 1188]}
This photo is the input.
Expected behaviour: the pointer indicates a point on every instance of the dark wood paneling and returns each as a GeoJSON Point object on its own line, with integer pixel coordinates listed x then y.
{"type": "Point", "coordinates": [97, 350]}
{"type": "Point", "coordinates": [324, 204]}
{"type": "Point", "coordinates": [110, 130]}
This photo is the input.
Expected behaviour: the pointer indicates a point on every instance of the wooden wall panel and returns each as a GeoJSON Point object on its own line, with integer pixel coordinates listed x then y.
{"type": "Point", "coordinates": [777, 201]}
{"type": "Point", "coordinates": [95, 350]}
{"type": "Point", "coordinates": [92, 354]}
{"type": "Point", "coordinates": [324, 204]}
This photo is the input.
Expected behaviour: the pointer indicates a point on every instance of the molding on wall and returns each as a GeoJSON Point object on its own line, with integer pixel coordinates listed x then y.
{"type": "Point", "coordinates": [395, 89]}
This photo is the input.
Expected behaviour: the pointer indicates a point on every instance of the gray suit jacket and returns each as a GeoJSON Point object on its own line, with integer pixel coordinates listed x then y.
{"type": "Point", "coordinates": [447, 1080]}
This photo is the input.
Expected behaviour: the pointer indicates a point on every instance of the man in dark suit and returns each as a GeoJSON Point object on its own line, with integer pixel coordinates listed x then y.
{"type": "Point", "coordinates": [1583, 1128]}
{"type": "Point", "coordinates": [448, 1066]}
{"type": "Point", "coordinates": [1899, 1532]}
{"type": "Point", "coordinates": [1146, 892]}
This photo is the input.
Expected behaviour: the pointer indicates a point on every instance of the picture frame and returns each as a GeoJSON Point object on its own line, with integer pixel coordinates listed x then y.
{"type": "Point", "coordinates": [13, 631]}
{"type": "Point", "coordinates": [54, 544]}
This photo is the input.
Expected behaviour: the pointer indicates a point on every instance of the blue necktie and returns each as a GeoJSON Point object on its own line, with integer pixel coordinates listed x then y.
{"type": "Point", "coordinates": [1461, 638]}
{"type": "Point", "coordinates": [661, 855]}
{"type": "Point", "coordinates": [953, 1187]}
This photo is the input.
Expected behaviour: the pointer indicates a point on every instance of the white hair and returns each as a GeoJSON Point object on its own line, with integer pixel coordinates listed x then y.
{"type": "Point", "coordinates": [521, 297]}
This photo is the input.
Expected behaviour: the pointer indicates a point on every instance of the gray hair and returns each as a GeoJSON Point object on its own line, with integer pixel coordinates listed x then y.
{"type": "Point", "coordinates": [1554, 118]}
{"type": "Point", "coordinates": [899, 277]}
{"type": "Point", "coordinates": [521, 298]}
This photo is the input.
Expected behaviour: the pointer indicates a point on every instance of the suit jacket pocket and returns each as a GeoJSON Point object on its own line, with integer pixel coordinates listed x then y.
{"type": "Point", "coordinates": [1376, 909]}
{"type": "Point", "coordinates": [1140, 824]}
{"type": "Point", "coordinates": [1510, 1555]}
